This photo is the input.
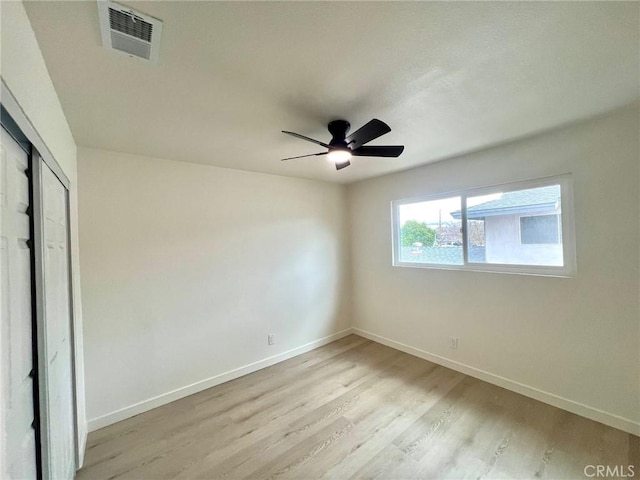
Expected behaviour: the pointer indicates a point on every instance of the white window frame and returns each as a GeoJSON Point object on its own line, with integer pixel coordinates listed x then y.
{"type": "Point", "coordinates": [567, 240]}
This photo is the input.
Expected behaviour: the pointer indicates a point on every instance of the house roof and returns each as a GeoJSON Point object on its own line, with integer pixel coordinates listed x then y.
{"type": "Point", "coordinates": [534, 200]}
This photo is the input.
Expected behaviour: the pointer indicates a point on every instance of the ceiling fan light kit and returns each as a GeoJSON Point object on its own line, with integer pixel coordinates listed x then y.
{"type": "Point", "coordinates": [341, 148]}
{"type": "Point", "coordinates": [339, 155]}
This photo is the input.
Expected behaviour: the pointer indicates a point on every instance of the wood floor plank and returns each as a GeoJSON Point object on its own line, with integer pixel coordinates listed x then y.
{"type": "Point", "coordinates": [309, 423]}
{"type": "Point", "coordinates": [388, 415]}
{"type": "Point", "coordinates": [218, 408]}
{"type": "Point", "coordinates": [292, 463]}
{"type": "Point", "coordinates": [233, 417]}
{"type": "Point", "coordinates": [355, 409]}
{"type": "Point", "coordinates": [633, 456]}
{"type": "Point", "coordinates": [390, 462]}
{"type": "Point", "coordinates": [289, 368]}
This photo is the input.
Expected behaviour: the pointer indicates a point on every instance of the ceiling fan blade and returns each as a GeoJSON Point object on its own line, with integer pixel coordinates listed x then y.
{"type": "Point", "coordinates": [297, 135]}
{"type": "Point", "coordinates": [379, 151]}
{"type": "Point", "coordinates": [302, 156]}
{"type": "Point", "coordinates": [370, 131]}
{"type": "Point", "coordinates": [340, 166]}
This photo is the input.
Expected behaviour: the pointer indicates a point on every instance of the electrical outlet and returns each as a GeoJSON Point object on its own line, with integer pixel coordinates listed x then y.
{"type": "Point", "coordinates": [453, 342]}
{"type": "Point", "coordinates": [271, 339]}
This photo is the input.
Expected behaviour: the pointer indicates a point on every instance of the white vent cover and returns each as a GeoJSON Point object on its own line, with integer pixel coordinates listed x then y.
{"type": "Point", "coordinates": [128, 31]}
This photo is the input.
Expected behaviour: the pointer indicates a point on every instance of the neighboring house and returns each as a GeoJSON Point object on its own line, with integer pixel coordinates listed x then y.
{"type": "Point", "coordinates": [521, 227]}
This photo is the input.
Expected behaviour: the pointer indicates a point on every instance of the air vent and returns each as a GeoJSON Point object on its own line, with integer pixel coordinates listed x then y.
{"type": "Point", "coordinates": [128, 31]}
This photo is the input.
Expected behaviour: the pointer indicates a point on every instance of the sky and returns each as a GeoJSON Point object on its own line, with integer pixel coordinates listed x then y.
{"type": "Point", "coordinates": [434, 211]}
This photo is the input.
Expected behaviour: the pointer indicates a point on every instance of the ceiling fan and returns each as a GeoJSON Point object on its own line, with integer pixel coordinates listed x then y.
{"type": "Point", "coordinates": [341, 148]}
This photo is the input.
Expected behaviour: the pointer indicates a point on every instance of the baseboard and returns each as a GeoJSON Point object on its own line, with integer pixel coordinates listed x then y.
{"type": "Point", "coordinates": [578, 408]}
{"type": "Point", "coordinates": [154, 402]}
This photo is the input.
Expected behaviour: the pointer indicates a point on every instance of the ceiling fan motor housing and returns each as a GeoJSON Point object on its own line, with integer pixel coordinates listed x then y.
{"type": "Point", "coordinates": [338, 130]}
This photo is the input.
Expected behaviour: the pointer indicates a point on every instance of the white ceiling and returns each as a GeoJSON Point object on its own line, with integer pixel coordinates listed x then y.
{"type": "Point", "coordinates": [447, 77]}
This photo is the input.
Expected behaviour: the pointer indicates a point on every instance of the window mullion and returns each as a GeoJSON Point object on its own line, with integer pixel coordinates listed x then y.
{"type": "Point", "coordinates": [463, 227]}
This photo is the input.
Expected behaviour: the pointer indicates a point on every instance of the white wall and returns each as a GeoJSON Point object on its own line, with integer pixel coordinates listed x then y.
{"type": "Point", "coordinates": [569, 341]}
{"type": "Point", "coordinates": [25, 75]}
{"type": "Point", "coordinates": [186, 269]}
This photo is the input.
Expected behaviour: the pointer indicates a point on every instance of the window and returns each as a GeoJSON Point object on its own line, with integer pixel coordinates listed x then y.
{"type": "Point", "coordinates": [524, 227]}
{"type": "Point", "coordinates": [540, 229]}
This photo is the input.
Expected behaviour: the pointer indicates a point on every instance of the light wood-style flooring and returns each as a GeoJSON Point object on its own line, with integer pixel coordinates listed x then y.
{"type": "Point", "coordinates": [355, 409]}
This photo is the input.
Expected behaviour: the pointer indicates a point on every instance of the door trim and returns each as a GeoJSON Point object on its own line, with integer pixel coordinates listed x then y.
{"type": "Point", "coordinates": [34, 321]}
{"type": "Point", "coordinates": [20, 118]}
{"type": "Point", "coordinates": [72, 338]}
{"type": "Point", "coordinates": [39, 297]}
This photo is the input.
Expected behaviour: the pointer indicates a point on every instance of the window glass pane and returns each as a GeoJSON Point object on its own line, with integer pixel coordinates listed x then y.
{"type": "Point", "coordinates": [520, 227]}
{"type": "Point", "coordinates": [429, 233]}
{"type": "Point", "coordinates": [539, 229]}
{"type": "Point", "coordinates": [476, 241]}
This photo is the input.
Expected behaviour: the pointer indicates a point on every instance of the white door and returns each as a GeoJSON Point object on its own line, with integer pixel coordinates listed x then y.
{"type": "Point", "coordinates": [18, 442]}
{"type": "Point", "coordinates": [57, 397]}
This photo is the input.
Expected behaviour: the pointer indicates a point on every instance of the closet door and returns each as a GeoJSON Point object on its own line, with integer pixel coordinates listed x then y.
{"type": "Point", "coordinates": [17, 433]}
{"type": "Point", "coordinates": [57, 404]}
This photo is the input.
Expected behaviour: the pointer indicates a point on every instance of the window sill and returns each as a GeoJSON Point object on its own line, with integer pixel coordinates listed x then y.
{"type": "Point", "coordinates": [559, 272]}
